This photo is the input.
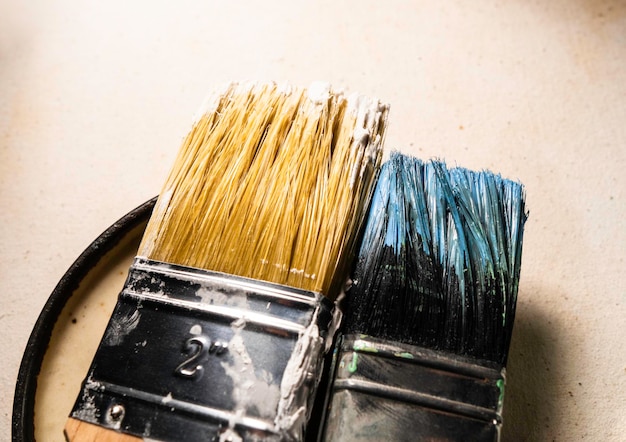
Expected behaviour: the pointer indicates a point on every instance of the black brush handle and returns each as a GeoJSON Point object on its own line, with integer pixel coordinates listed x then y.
{"type": "Point", "coordinates": [395, 392]}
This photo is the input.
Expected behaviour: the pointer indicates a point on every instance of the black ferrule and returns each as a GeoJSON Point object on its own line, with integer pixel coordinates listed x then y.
{"type": "Point", "coordinates": [388, 391]}
{"type": "Point", "coordinates": [195, 355]}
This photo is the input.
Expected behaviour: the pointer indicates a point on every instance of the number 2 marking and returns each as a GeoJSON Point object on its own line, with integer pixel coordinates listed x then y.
{"type": "Point", "coordinates": [191, 367]}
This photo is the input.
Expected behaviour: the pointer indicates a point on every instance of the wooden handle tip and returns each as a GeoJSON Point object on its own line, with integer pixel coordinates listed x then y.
{"type": "Point", "coordinates": [78, 431]}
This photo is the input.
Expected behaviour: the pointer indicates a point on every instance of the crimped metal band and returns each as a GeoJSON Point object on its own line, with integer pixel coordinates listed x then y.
{"type": "Point", "coordinates": [203, 352]}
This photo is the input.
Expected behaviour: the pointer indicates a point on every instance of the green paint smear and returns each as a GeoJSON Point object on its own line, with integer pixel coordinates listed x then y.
{"type": "Point", "coordinates": [352, 366]}
{"type": "Point", "coordinates": [404, 355]}
{"type": "Point", "coordinates": [359, 346]}
{"type": "Point", "coordinates": [500, 385]}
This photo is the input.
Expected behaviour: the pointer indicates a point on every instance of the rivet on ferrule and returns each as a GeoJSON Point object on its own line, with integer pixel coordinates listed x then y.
{"type": "Point", "coordinates": [116, 412]}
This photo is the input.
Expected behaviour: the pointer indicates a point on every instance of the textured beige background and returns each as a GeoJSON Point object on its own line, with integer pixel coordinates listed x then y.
{"type": "Point", "coordinates": [95, 97]}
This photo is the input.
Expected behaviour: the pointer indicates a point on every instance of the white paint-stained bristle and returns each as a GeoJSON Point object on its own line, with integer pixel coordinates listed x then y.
{"type": "Point", "coordinates": [271, 183]}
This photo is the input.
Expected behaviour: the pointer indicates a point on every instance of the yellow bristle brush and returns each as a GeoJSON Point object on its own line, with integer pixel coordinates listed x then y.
{"type": "Point", "coordinates": [220, 330]}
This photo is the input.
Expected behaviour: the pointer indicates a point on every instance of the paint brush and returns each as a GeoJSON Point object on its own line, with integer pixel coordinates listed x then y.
{"type": "Point", "coordinates": [220, 330]}
{"type": "Point", "coordinates": [430, 312]}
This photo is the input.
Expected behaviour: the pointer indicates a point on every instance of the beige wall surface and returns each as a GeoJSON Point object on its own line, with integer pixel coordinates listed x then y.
{"type": "Point", "coordinates": [96, 96]}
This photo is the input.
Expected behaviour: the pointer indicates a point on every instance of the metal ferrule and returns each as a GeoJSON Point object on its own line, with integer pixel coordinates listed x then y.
{"type": "Point", "coordinates": [196, 355]}
{"type": "Point", "coordinates": [396, 392]}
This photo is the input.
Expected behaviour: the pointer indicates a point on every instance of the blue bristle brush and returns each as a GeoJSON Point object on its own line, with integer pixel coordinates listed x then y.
{"type": "Point", "coordinates": [430, 313]}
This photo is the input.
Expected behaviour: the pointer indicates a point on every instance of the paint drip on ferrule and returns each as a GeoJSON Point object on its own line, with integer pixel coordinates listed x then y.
{"type": "Point", "coordinates": [192, 354]}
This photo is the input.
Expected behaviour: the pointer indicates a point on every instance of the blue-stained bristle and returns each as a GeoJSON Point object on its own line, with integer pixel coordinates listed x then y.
{"type": "Point", "coordinates": [440, 258]}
